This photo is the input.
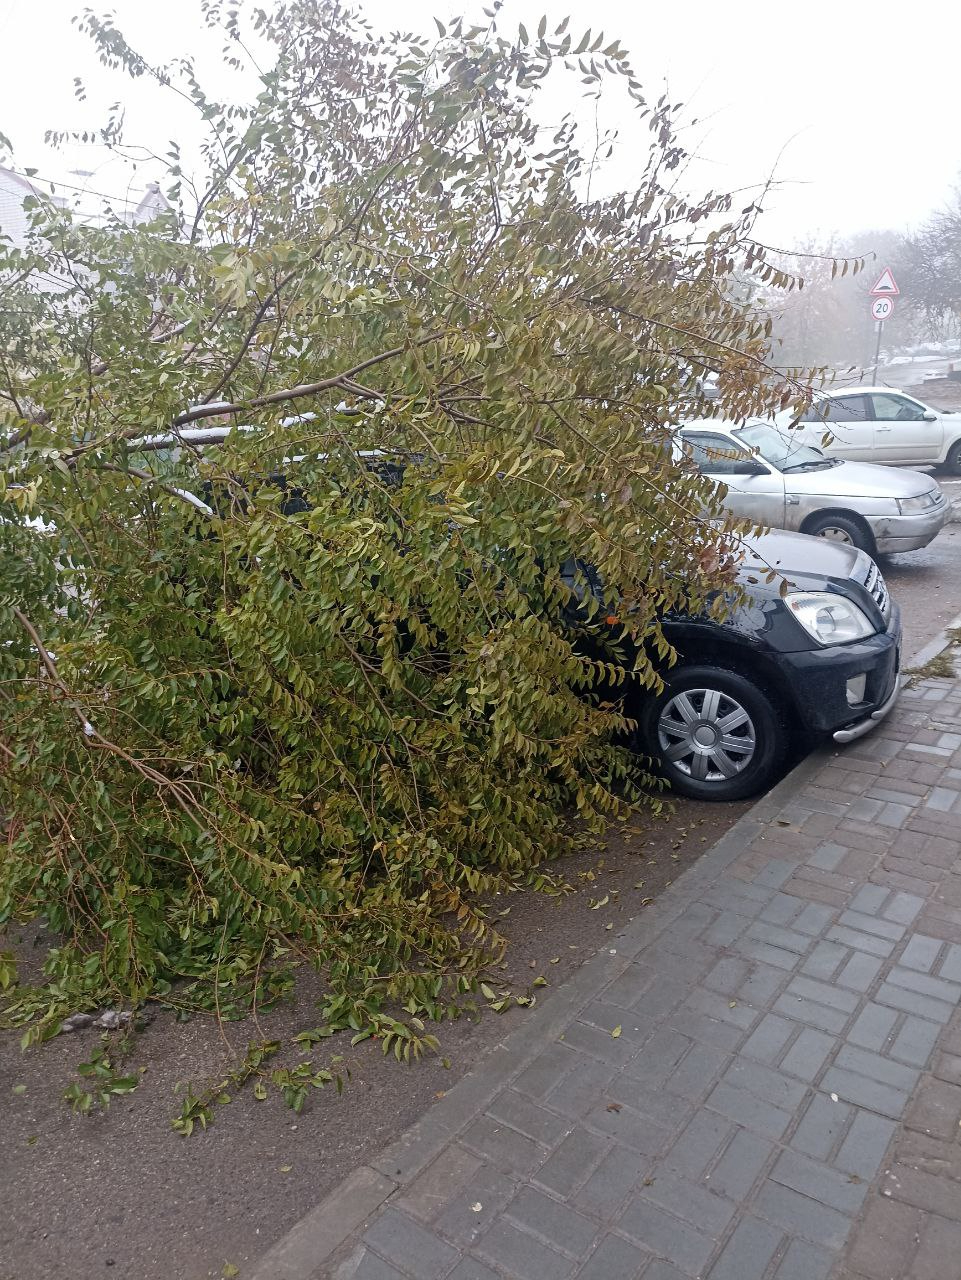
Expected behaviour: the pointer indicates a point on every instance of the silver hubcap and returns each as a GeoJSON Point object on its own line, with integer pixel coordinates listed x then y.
{"type": "Point", "coordinates": [834, 534]}
{"type": "Point", "coordinates": [706, 734]}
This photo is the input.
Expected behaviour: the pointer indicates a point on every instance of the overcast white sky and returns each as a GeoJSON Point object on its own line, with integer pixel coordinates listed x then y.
{"type": "Point", "coordinates": [859, 98]}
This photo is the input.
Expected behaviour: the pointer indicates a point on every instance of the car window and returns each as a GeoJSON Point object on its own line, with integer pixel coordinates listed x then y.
{"type": "Point", "coordinates": [837, 409]}
{"type": "Point", "coordinates": [890, 408]}
{"type": "Point", "coordinates": [782, 450]}
{"type": "Point", "coordinates": [713, 455]}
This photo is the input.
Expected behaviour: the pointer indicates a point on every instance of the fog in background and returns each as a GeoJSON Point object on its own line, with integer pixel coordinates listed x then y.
{"type": "Point", "coordinates": [851, 107]}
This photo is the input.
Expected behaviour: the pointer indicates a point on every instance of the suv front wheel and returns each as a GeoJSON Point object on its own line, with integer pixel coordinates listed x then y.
{"type": "Point", "coordinates": [717, 735]}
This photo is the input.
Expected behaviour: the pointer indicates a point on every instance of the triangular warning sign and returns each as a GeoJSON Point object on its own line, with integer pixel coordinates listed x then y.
{"type": "Point", "coordinates": [885, 285]}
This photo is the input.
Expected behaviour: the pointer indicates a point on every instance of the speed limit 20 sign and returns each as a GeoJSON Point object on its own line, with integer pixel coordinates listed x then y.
{"type": "Point", "coordinates": [882, 308]}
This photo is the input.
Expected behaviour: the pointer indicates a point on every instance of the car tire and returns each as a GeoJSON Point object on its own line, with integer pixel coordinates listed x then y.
{"type": "Point", "coordinates": [695, 702]}
{"type": "Point", "coordinates": [841, 529]}
{"type": "Point", "coordinates": [952, 463]}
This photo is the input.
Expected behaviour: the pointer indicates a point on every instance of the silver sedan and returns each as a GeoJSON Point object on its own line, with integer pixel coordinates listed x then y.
{"type": "Point", "coordinates": [777, 481]}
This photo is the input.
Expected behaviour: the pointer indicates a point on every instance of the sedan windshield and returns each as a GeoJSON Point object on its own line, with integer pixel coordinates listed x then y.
{"type": "Point", "coordinates": [781, 451]}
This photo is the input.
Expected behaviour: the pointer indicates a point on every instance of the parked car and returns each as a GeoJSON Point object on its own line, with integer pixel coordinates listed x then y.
{"type": "Point", "coordinates": [813, 654]}
{"type": "Point", "coordinates": [810, 654]}
{"type": "Point", "coordinates": [775, 479]}
{"type": "Point", "coordinates": [878, 424]}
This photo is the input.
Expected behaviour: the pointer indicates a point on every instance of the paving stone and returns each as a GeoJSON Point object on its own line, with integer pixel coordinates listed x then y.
{"type": "Point", "coordinates": [866, 1063]}
{"type": "Point", "coordinates": [912, 1002]}
{"type": "Point", "coordinates": [925, 985]}
{"type": "Point", "coordinates": [873, 1027]}
{"type": "Point", "coordinates": [698, 1144]}
{"type": "Point", "coordinates": [819, 1182]}
{"type": "Point", "coordinates": [802, 1216]}
{"type": "Point", "coordinates": [921, 952]}
{"type": "Point", "coordinates": [821, 1127]}
{"type": "Point", "coordinates": [863, 1149]}
{"type": "Point", "coordinates": [707, 1030]}
{"type": "Point", "coordinates": [870, 898]}
{"type": "Point", "coordinates": [461, 1222]}
{"type": "Point", "coordinates": [695, 1204]}
{"type": "Point", "coordinates": [666, 1236]}
{"type": "Point", "coordinates": [858, 920]}
{"type": "Point", "coordinates": [827, 856]}
{"type": "Point", "coordinates": [861, 941]}
{"type": "Point", "coordinates": [740, 1166]}
{"type": "Point", "coordinates": [903, 908]}
{"type": "Point", "coordinates": [408, 1245]}
{"type": "Point", "coordinates": [440, 1182]}
{"type": "Point", "coordinates": [921, 1189]}
{"type": "Point", "coordinates": [572, 1162]}
{"type": "Point", "coordinates": [633, 1128]}
{"type": "Point", "coordinates": [784, 939]}
{"type": "Point", "coordinates": [713, 1005]}
{"type": "Point", "coordinates": [939, 1251]}
{"type": "Point", "coordinates": [612, 1181]}
{"type": "Point", "coordinates": [864, 1092]}
{"type": "Point", "coordinates": [860, 971]}
{"type": "Point", "coordinates": [936, 1110]}
{"type": "Point", "coordinates": [744, 1109]}
{"type": "Point", "coordinates": [659, 1270]}
{"type": "Point", "coordinates": [884, 1240]}
{"type": "Point", "coordinates": [578, 1091]}
{"type": "Point", "coordinates": [659, 1056]}
{"type": "Point", "coordinates": [506, 1149]}
{"type": "Point", "coordinates": [951, 968]}
{"type": "Point", "coordinates": [599, 1043]}
{"type": "Point", "coordinates": [473, 1269]}
{"type": "Point", "coordinates": [779, 957]}
{"type": "Point", "coordinates": [824, 960]}
{"type": "Point", "coordinates": [547, 1070]}
{"type": "Point", "coordinates": [804, 1261]}
{"type": "Point", "coordinates": [558, 1224]}
{"type": "Point", "coordinates": [812, 1012]}
{"type": "Point", "coordinates": [528, 1117]}
{"type": "Point", "coordinates": [824, 993]}
{"type": "Point", "coordinates": [697, 1072]}
{"type": "Point", "coordinates": [615, 1259]}
{"type": "Point", "coordinates": [766, 1084]}
{"type": "Point", "coordinates": [767, 1040]}
{"type": "Point", "coordinates": [522, 1256]}
{"type": "Point", "coordinates": [814, 919]}
{"type": "Point", "coordinates": [371, 1267]}
{"type": "Point", "coordinates": [781, 909]}
{"type": "Point", "coordinates": [808, 1054]}
{"type": "Point", "coordinates": [748, 1252]}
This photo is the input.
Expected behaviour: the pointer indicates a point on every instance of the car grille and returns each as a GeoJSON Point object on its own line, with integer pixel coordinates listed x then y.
{"type": "Point", "coordinates": [876, 586]}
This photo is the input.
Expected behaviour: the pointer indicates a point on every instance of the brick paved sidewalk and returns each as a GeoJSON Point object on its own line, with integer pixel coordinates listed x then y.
{"type": "Point", "coordinates": [760, 1080]}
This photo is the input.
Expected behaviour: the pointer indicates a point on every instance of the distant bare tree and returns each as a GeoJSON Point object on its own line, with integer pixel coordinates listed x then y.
{"type": "Point", "coordinates": [932, 265]}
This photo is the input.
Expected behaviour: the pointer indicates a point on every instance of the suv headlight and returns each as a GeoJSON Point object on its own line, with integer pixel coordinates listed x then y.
{"type": "Point", "coordinates": [923, 502]}
{"type": "Point", "coordinates": [830, 619]}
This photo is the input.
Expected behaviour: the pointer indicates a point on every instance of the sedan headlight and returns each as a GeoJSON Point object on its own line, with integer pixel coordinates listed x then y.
{"type": "Point", "coordinates": [923, 502]}
{"type": "Point", "coordinates": [830, 619]}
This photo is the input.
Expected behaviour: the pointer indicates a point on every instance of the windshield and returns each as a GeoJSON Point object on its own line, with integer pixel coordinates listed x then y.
{"type": "Point", "coordinates": [780, 450]}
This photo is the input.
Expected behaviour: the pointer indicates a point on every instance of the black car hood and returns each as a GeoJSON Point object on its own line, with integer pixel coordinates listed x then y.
{"type": "Point", "coordinates": [799, 558]}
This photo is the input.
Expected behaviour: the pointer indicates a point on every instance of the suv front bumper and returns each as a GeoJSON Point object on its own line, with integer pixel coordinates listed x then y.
{"type": "Point", "coordinates": [820, 681]}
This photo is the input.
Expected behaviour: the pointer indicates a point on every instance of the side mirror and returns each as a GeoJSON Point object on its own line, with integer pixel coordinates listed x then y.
{"type": "Point", "coordinates": [929, 417]}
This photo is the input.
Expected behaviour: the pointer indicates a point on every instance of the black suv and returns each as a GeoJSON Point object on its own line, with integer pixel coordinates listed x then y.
{"type": "Point", "coordinates": [786, 669]}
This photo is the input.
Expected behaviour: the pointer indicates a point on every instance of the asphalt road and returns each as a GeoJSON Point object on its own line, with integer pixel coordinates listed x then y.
{"type": "Point", "coordinates": [927, 584]}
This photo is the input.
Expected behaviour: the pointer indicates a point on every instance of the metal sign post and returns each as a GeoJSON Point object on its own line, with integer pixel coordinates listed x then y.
{"type": "Point", "coordinates": [884, 292]}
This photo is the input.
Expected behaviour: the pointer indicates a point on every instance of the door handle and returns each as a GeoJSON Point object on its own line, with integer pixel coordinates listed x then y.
{"type": "Point", "coordinates": [884, 429]}
{"type": "Point", "coordinates": [792, 500]}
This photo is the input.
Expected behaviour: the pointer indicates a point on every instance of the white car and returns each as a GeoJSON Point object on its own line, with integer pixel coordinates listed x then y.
{"type": "Point", "coordinates": [774, 479]}
{"type": "Point", "coordinates": [878, 424]}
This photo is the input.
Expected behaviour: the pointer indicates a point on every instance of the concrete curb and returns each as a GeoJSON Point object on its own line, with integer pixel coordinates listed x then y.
{"type": "Point", "coordinates": [313, 1242]}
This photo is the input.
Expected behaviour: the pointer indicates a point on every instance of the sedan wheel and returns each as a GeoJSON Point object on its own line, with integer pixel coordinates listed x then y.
{"type": "Point", "coordinates": [840, 529]}
{"type": "Point", "coordinates": [715, 734]}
